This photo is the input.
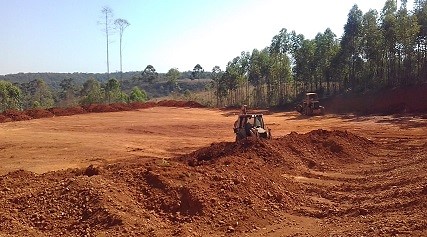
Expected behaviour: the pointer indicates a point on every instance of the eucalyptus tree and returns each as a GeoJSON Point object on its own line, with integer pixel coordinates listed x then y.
{"type": "Point", "coordinates": [223, 87]}
{"type": "Point", "coordinates": [407, 32]}
{"type": "Point", "coordinates": [197, 71]}
{"type": "Point", "coordinates": [372, 48]}
{"type": "Point", "coordinates": [326, 49]}
{"type": "Point", "coordinates": [107, 15]}
{"type": "Point", "coordinates": [281, 43]}
{"type": "Point", "coordinates": [241, 68]}
{"type": "Point", "coordinates": [281, 48]}
{"type": "Point", "coordinates": [112, 91]}
{"type": "Point", "coordinates": [254, 75]}
{"type": "Point", "coordinates": [10, 96]}
{"type": "Point", "coordinates": [420, 11]}
{"type": "Point", "coordinates": [231, 77]}
{"type": "Point", "coordinates": [42, 97]}
{"type": "Point", "coordinates": [259, 75]}
{"type": "Point", "coordinates": [172, 76]}
{"type": "Point", "coordinates": [219, 87]}
{"type": "Point", "coordinates": [121, 25]}
{"type": "Point", "coordinates": [265, 61]}
{"type": "Point", "coordinates": [389, 29]}
{"type": "Point", "coordinates": [233, 80]}
{"type": "Point", "coordinates": [304, 68]}
{"type": "Point", "coordinates": [149, 74]}
{"type": "Point", "coordinates": [68, 93]}
{"type": "Point", "coordinates": [91, 92]}
{"type": "Point", "coordinates": [338, 71]}
{"type": "Point", "coordinates": [351, 45]}
{"type": "Point", "coordinates": [333, 48]}
{"type": "Point", "coordinates": [36, 94]}
{"type": "Point", "coordinates": [280, 75]}
{"type": "Point", "coordinates": [296, 44]}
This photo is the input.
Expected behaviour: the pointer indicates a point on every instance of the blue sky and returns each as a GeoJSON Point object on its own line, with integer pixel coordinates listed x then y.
{"type": "Point", "coordinates": [65, 36]}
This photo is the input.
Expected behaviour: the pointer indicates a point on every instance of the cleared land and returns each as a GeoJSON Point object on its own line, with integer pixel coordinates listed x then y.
{"type": "Point", "coordinates": [176, 171]}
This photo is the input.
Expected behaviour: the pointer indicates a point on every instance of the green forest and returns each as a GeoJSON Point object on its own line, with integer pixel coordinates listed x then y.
{"type": "Point", "coordinates": [46, 90]}
{"type": "Point", "coordinates": [377, 50]}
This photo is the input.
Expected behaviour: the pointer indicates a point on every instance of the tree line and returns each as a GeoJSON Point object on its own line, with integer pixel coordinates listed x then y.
{"type": "Point", "coordinates": [36, 94]}
{"type": "Point", "coordinates": [31, 90]}
{"type": "Point", "coordinates": [376, 50]}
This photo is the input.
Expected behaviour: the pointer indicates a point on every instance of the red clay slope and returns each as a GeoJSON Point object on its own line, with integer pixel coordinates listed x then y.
{"type": "Point", "coordinates": [411, 99]}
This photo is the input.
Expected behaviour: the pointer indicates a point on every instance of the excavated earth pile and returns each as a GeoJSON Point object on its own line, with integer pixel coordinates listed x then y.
{"type": "Point", "coordinates": [341, 182]}
{"type": "Point", "coordinates": [14, 115]}
{"type": "Point", "coordinates": [408, 99]}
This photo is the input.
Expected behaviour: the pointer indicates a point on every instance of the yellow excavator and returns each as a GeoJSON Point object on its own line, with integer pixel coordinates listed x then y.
{"type": "Point", "coordinates": [251, 125]}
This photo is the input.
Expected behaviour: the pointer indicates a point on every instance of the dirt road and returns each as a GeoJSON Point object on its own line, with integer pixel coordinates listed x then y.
{"type": "Point", "coordinates": [367, 178]}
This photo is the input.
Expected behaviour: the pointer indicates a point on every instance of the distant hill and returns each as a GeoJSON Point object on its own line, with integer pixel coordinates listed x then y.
{"type": "Point", "coordinates": [158, 88]}
{"type": "Point", "coordinates": [53, 79]}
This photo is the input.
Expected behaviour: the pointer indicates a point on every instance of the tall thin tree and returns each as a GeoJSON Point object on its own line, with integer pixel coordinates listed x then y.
{"type": "Point", "coordinates": [108, 15]}
{"type": "Point", "coordinates": [121, 25]}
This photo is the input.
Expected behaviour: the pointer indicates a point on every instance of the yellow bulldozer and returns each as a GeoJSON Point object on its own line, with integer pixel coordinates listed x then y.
{"type": "Point", "coordinates": [310, 105]}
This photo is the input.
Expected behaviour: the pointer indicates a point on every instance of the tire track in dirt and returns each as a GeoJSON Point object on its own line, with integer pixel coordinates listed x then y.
{"type": "Point", "coordinates": [385, 191]}
{"type": "Point", "coordinates": [234, 188]}
{"type": "Point", "coordinates": [316, 183]}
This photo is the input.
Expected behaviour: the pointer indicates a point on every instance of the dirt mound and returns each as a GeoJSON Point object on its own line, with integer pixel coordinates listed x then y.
{"type": "Point", "coordinates": [14, 115]}
{"type": "Point", "coordinates": [177, 103]}
{"type": "Point", "coordinates": [170, 103]}
{"type": "Point", "coordinates": [256, 151]}
{"type": "Point", "coordinates": [315, 149]}
{"type": "Point", "coordinates": [67, 111]}
{"type": "Point", "coordinates": [322, 148]}
{"type": "Point", "coordinates": [4, 119]}
{"type": "Point", "coordinates": [223, 189]}
{"type": "Point", "coordinates": [53, 204]}
{"type": "Point", "coordinates": [142, 105]}
{"type": "Point", "coordinates": [121, 106]}
{"type": "Point", "coordinates": [226, 187]}
{"type": "Point", "coordinates": [100, 108]}
{"type": "Point", "coordinates": [39, 113]}
{"type": "Point", "coordinates": [193, 104]}
{"type": "Point", "coordinates": [410, 99]}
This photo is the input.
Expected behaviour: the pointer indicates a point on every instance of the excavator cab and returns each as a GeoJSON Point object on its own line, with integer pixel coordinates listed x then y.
{"type": "Point", "coordinates": [251, 125]}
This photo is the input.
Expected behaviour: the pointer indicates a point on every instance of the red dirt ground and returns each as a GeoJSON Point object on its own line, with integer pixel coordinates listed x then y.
{"type": "Point", "coordinates": [410, 99]}
{"type": "Point", "coordinates": [162, 171]}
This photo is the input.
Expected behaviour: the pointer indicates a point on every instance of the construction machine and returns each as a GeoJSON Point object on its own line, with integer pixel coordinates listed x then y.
{"type": "Point", "coordinates": [310, 105]}
{"type": "Point", "coordinates": [251, 125]}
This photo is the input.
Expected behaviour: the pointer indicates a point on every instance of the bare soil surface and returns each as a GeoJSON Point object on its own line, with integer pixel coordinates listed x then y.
{"type": "Point", "coordinates": [176, 171]}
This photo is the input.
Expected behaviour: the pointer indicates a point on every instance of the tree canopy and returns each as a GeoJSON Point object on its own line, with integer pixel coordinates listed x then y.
{"type": "Point", "coordinates": [10, 96]}
{"type": "Point", "coordinates": [149, 74]}
{"type": "Point", "coordinates": [376, 50]}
